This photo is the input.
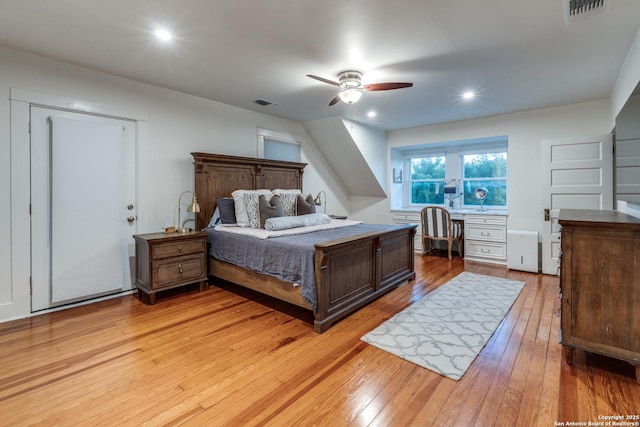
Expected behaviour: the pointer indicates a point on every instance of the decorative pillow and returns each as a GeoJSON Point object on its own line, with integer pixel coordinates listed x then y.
{"type": "Point", "coordinates": [288, 199]}
{"type": "Point", "coordinates": [240, 207]}
{"type": "Point", "coordinates": [269, 208]}
{"type": "Point", "coordinates": [288, 222]}
{"type": "Point", "coordinates": [227, 209]}
{"type": "Point", "coordinates": [305, 206]}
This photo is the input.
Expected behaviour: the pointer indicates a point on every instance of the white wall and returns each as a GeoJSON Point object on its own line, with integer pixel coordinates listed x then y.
{"type": "Point", "coordinates": [525, 131]}
{"type": "Point", "coordinates": [628, 77]}
{"type": "Point", "coordinates": [178, 124]}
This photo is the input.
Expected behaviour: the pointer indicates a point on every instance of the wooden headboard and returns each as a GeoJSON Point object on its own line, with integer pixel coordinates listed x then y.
{"type": "Point", "coordinates": [218, 176]}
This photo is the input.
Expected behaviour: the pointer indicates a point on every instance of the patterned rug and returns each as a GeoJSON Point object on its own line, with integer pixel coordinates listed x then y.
{"type": "Point", "coordinates": [445, 330]}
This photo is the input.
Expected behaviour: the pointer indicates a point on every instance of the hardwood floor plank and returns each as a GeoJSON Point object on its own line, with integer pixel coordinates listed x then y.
{"type": "Point", "coordinates": [229, 356]}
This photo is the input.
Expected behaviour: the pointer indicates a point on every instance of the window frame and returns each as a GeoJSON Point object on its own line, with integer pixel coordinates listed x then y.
{"type": "Point", "coordinates": [481, 151]}
{"type": "Point", "coordinates": [408, 181]}
{"type": "Point", "coordinates": [453, 152]}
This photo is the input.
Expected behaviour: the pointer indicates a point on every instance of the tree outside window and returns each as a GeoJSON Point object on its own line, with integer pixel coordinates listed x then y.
{"type": "Point", "coordinates": [485, 170]}
{"type": "Point", "coordinates": [426, 180]}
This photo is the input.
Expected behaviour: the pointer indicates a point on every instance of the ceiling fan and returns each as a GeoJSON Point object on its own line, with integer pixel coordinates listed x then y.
{"type": "Point", "coordinates": [351, 87]}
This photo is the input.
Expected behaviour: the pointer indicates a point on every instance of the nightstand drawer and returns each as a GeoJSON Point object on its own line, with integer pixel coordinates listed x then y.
{"type": "Point", "coordinates": [172, 249]}
{"type": "Point", "coordinates": [178, 270]}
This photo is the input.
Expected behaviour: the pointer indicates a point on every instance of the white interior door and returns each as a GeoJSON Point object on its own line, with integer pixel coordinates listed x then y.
{"type": "Point", "coordinates": [83, 183]}
{"type": "Point", "coordinates": [577, 173]}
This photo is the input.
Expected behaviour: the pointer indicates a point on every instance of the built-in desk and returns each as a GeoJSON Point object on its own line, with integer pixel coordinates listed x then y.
{"type": "Point", "coordinates": [485, 233]}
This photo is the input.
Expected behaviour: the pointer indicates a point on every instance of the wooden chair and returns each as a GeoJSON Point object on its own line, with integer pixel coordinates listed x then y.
{"type": "Point", "coordinates": [438, 225]}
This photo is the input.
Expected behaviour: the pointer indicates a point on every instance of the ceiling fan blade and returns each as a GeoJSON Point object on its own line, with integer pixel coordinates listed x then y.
{"type": "Point", "coordinates": [386, 86]}
{"type": "Point", "coordinates": [334, 101]}
{"type": "Point", "coordinates": [323, 80]}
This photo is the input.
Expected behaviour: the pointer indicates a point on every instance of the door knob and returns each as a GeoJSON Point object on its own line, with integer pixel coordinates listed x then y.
{"type": "Point", "coordinates": [130, 219]}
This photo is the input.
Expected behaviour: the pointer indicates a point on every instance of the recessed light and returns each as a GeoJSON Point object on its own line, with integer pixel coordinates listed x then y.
{"type": "Point", "coordinates": [163, 35]}
{"type": "Point", "coordinates": [468, 95]}
{"type": "Point", "coordinates": [371, 114]}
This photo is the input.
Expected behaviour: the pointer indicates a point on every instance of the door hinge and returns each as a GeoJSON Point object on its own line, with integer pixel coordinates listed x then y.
{"type": "Point", "coordinates": [30, 285]}
{"type": "Point", "coordinates": [547, 215]}
{"type": "Point", "coordinates": [29, 126]}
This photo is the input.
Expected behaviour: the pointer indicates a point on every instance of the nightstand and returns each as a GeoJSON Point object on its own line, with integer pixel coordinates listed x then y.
{"type": "Point", "coordinates": [169, 260]}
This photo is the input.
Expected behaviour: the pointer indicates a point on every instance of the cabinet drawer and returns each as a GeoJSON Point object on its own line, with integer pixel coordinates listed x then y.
{"type": "Point", "coordinates": [489, 234]}
{"type": "Point", "coordinates": [486, 219]}
{"type": "Point", "coordinates": [178, 270]}
{"type": "Point", "coordinates": [485, 250]}
{"type": "Point", "coordinates": [406, 216]}
{"type": "Point", "coordinates": [172, 249]}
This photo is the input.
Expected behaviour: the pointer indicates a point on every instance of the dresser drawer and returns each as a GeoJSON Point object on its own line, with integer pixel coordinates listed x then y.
{"type": "Point", "coordinates": [185, 269]}
{"type": "Point", "coordinates": [172, 249]}
{"type": "Point", "coordinates": [486, 219]}
{"type": "Point", "coordinates": [489, 234]}
{"type": "Point", "coordinates": [485, 250]}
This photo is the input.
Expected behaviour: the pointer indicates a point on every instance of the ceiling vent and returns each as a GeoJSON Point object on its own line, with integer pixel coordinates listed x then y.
{"type": "Point", "coordinates": [264, 102]}
{"type": "Point", "coordinates": [579, 10]}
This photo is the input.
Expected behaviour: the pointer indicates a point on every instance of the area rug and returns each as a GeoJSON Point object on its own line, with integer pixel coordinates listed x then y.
{"type": "Point", "coordinates": [445, 330]}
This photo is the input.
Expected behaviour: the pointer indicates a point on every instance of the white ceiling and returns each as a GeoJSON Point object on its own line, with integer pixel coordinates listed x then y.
{"type": "Point", "coordinates": [517, 55]}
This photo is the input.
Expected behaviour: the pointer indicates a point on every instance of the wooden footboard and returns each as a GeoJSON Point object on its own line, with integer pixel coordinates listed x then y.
{"type": "Point", "coordinates": [350, 273]}
{"type": "Point", "coordinates": [353, 271]}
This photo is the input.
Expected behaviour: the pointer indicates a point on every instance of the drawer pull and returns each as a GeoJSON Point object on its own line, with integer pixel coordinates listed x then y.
{"type": "Point", "coordinates": [484, 233]}
{"type": "Point", "coordinates": [485, 251]}
{"type": "Point", "coordinates": [179, 248]}
{"type": "Point", "coordinates": [180, 268]}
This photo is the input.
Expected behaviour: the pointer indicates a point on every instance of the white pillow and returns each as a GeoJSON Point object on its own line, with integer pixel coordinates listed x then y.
{"type": "Point", "coordinates": [242, 218]}
{"type": "Point", "coordinates": [288, 198]}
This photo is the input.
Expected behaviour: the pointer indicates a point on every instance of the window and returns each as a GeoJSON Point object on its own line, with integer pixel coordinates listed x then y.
{"type": "Point", "coordinates": [487, 170]}
{"type": "Point", "coordinates": [426, 180]}
{"type": "Point", "coordinates": [275, 145]}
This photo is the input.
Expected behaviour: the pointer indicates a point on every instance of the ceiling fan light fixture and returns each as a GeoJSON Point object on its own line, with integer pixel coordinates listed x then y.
{"type": "Point", "coordinates": [350, 95]}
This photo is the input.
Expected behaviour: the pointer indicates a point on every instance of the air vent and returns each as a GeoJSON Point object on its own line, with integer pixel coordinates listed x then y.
{"type": "Point", "coordinates": [579, 10]}
{"type": "Point", "coordinates": [264, 102]}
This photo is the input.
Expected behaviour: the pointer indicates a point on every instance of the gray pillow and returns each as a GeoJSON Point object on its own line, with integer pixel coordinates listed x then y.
{"type": "Point", "coordinates": [305, 206]}
{"type": "Point", "coordinates": [269, 208]}
{"type": "Point", "coordinates": [226, 207]}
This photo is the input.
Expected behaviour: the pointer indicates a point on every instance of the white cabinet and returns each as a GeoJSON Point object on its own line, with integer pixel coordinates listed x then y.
{"type": "Point", "coordinates": [485, 238]}
{"type": "Point", "coordinates": [485, 234]}
{"type": "Point", "coordinates": [408, 217]}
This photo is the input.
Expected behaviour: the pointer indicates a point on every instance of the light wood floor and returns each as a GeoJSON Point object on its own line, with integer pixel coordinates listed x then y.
{"type": "Point", "coordinates": [227, 356]}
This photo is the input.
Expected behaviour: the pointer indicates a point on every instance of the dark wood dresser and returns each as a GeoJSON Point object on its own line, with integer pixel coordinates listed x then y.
{"type": "Point", "coordinates": [600, 284]}
{"type": "Point", "coordinates": [169, 260]}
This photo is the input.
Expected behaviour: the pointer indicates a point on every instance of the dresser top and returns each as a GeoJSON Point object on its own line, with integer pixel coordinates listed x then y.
{"type": "Point", "coordinates": [587, 217]}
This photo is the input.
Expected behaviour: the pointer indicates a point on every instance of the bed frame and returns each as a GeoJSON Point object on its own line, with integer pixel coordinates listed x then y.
{"type": "Point", "coordinates": [350, 272]}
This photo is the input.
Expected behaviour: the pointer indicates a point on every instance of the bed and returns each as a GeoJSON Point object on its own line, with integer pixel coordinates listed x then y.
{"type": "Point", "coordinates": [349, 271]}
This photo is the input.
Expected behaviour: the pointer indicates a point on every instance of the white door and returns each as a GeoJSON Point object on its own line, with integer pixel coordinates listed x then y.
{"type": "Point", "coordinates": [577, 173]}
{"type": "Point", "coordinates": [83, 182]}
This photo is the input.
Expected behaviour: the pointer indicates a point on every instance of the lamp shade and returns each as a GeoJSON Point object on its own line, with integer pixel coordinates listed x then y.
{"type": "Point", "coordinates": [194, 206]}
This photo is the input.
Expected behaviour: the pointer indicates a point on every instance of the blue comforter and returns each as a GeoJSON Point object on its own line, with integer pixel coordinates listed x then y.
{"type": "Point", "coordinates": [288, 258]}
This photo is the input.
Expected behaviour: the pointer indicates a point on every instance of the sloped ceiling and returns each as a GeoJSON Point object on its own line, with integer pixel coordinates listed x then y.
{"type": "Point", "coordinates": [335, 142]}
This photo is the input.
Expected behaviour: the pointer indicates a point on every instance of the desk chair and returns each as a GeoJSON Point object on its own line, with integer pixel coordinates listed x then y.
{"type": "Point", "coordinates": [438, 225]}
